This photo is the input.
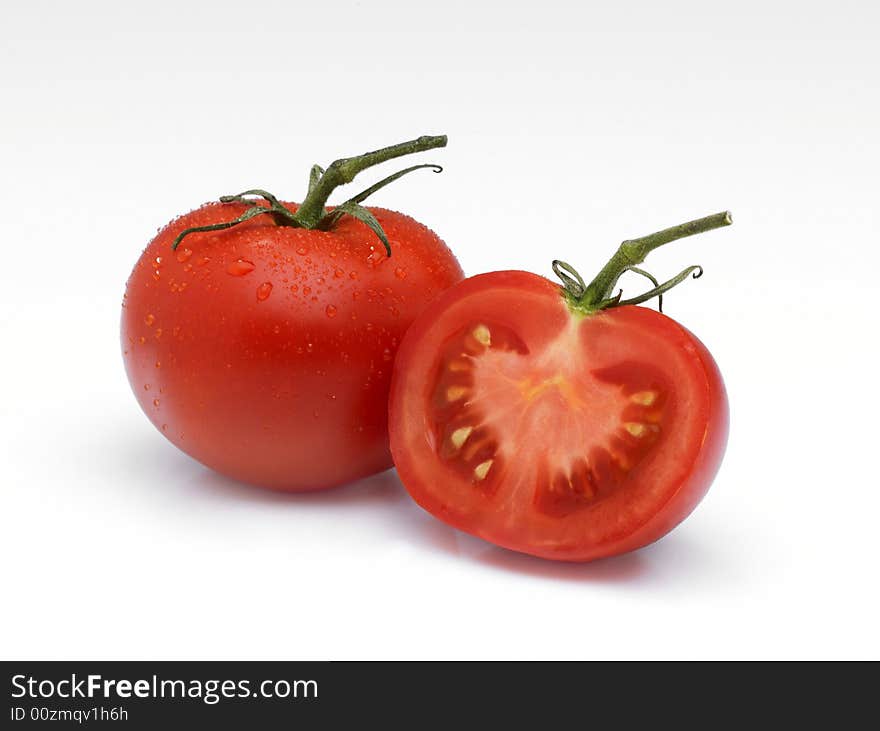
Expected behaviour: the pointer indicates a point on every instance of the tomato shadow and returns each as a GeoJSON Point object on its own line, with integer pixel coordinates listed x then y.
{"type": "Point", "coordinates": [678, 560]}
{"type": "Point", "coordinates": [425, 530]}
{"type": "Point", "coordinates": [383, 487]}
{"type": "Point", "coordinates": [381, 500]}
{"type": "Point", "coordinates": [388, 509]}
{"type": "Point", "coordinates": [675, 561]}
{"type": "Point", "coordinates": [626, 568]}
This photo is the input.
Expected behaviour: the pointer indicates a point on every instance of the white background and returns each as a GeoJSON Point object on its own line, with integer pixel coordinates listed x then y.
{"type": "Point", "coordinates": [572, 126]}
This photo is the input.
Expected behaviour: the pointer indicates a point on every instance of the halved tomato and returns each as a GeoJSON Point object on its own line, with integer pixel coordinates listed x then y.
{"type": "Point", "coordinates": [568, 435]}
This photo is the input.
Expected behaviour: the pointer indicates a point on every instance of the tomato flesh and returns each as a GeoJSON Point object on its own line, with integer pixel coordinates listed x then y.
{"type": "Point", "coordinates": [549, 432]}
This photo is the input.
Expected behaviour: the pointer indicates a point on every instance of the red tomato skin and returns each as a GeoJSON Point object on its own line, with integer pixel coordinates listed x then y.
{"type": "Point", "coordinates": [701, 472]}
{"type": "Point", "coordinates": [543, 312]}
{"type": "Point", "coordinates": [265, 351]}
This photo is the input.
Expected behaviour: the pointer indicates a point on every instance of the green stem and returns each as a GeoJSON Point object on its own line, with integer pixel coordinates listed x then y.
{"type": "Point", "coordinates": [344, 170]}
{"type": "Point", "coordinates": [312, 214]}
{"type": "Point", "coordinates": [633, 252]}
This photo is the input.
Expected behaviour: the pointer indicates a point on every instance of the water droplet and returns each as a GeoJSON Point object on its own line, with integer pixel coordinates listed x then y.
{"type": "Point", "coordinates": [338, 273]}
{"type": "Point", "coordinates": [164, 427]}
{"type": "Point", "coordinates": [400, 273]}
{"type": "Point", "coordinates": [386, 354]}
{"type": "Point", "coordinates": [176, 331]}
{"type": "Point", "coordinates": [331, 396]}
{"type": "Point", "coordinates": [142, 340]}
{"type": "Point", "coordinates": [320, 280]}
{"type": "Point", "coordinates": [240, 267]}
{"type": "Point", "coordinates": [307, 289]}
{"type": "Point", "coordinates": [157, 262]}
{"type": "Point", "coordinates": [310, 347]}
{"type": "Point", "coordinates": [158, 364]}
{"type": "Point", "coordinates": [315, 413]}
{"type": "Point", "coordinates": [394, 311]}
{"type": "Point", "coordinates": [352, 275]}
{"type": "Point", "coordinates": [146, 387]}
{"type": "Point", "coordinates": [156, 402]}
{"type": "Point", "coordinates": [149, 320]}
{"type": "Point", "coordinates": [330, 311]}
{"type": "Point", "coordinates": [276, 329]}
{"type": "Point", "coordinates": [302, 251]}
{"type": "Point", "coordinates": [187, 267]}
{"type": "Point", "coordinates": [204, 260]}
{"type": "Point", "coordinates": [264, 290]}
{"type": "Point", "coordinates": [294, 287]}
{"type": "Point", "coordinates": [158, 333]}
{"type": "Point", "coordinates": [181, 286]}
{"type": "Point", "coordinates": [184, 254]}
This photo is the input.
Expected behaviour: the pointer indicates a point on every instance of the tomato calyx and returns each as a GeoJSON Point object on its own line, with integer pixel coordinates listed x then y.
{"type": "Point", "coordinates": [312, 213]}
{"type": "Point", "coordinates": [587, 299]}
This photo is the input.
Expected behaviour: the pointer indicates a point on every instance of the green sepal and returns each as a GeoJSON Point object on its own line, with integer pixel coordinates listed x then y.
{"type": "Point", "coordinates": [356, 210]}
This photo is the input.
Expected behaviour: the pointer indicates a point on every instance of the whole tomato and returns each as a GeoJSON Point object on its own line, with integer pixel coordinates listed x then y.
{"type": "Point", "coordinates": [259, 336]}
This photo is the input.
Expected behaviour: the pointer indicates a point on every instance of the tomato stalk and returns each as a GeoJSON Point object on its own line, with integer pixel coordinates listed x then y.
{"type": "Point", "coordinates": [343, 171]}
{"type": "Point", "coordinates": [312, 212]}
{"type": "Point", "coordinates": [597, 295]}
